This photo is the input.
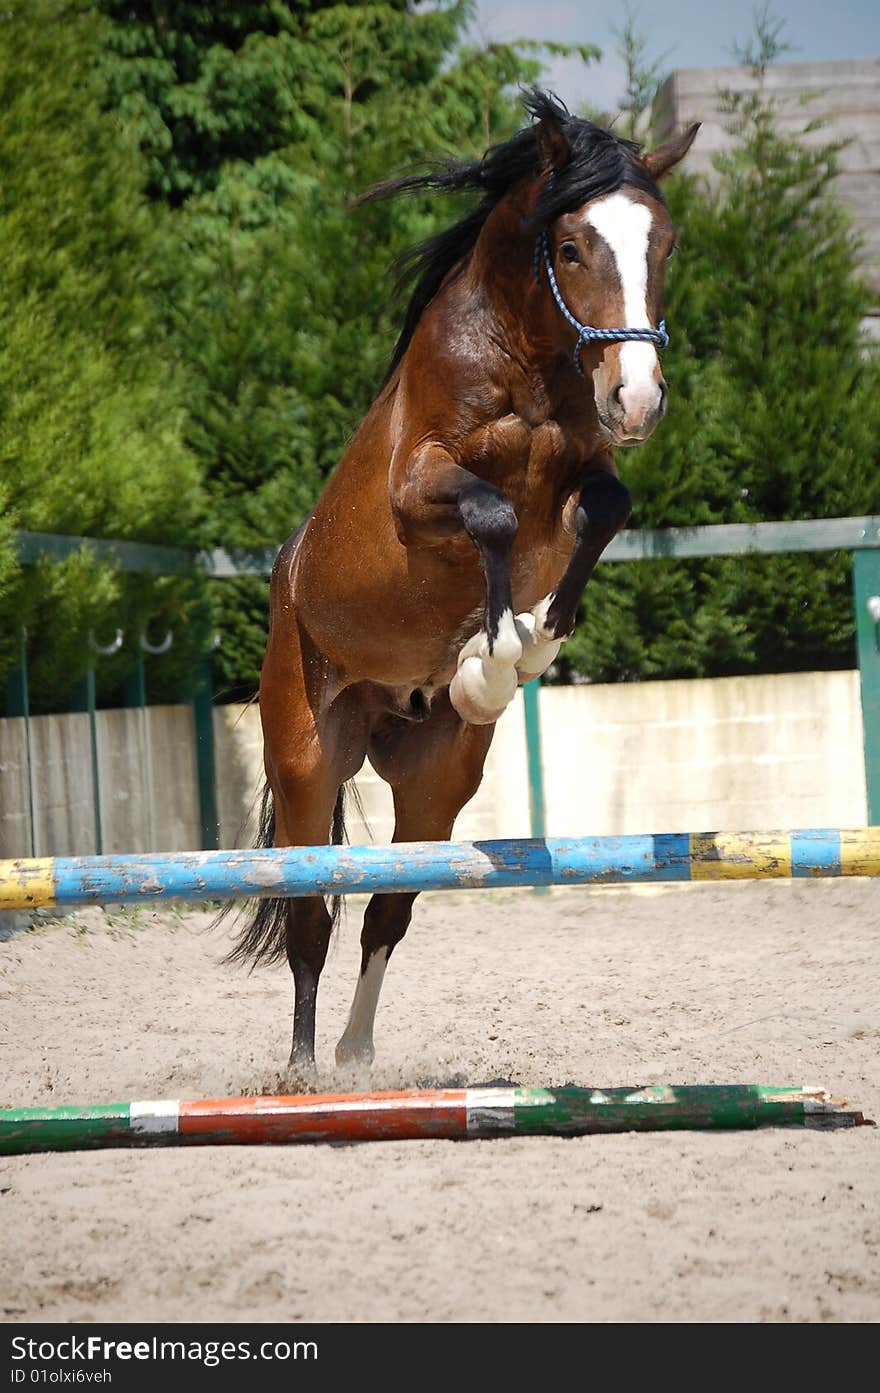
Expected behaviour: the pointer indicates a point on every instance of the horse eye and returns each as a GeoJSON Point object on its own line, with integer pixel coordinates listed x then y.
{"type": "Point", "coordinates": [569, 251]}
{"type": "Point", "coordinates": [672, 250]}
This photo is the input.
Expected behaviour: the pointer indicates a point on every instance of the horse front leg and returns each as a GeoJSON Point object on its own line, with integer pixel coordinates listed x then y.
{"type": "Point", "coordinates": [603, 508]}
{"type": "Point", "coordinates": [432, 499]}
{"type": "Point", "coordinates": [486, 680]}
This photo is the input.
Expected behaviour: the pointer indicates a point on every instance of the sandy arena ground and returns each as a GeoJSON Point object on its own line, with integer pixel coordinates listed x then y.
{"type": "Point", "coordinates": [772, 983]}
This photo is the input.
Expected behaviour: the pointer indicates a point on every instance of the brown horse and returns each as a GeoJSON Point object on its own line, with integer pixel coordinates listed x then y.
{"type": "Point", "coordinates": [445, 559]}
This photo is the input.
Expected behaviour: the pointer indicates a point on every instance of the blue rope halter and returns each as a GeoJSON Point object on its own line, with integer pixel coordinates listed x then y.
{"type": "Point", "coordinates": [585, 332]}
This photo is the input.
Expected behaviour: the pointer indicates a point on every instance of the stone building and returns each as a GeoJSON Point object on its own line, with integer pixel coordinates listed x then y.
{"type": "Point", "coordinates": [844, 94]}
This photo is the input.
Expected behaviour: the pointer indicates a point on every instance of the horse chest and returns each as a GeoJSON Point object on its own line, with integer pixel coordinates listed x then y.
{"type": "Point", "coordinates": [536, 465]}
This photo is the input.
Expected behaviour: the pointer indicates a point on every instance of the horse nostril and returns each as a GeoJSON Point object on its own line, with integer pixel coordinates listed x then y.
{"type": "Point", "coordinates": [664, 396]}
{"type": "Point", "coordinates": [615, 396]}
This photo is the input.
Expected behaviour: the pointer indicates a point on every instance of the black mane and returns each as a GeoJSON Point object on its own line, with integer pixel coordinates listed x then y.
{"type": "Point", "coordinates": [600, 163]}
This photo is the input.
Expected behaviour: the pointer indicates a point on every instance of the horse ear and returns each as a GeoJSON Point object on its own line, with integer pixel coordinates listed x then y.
{"type": "Point", "coordinates": [554, 151]}
{"type": "Point", "coordinates": [661, 161]}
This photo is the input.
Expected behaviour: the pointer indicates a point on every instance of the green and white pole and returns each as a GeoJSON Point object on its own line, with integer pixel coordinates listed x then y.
{"type": "Point", "coordinates": [414, 1114]}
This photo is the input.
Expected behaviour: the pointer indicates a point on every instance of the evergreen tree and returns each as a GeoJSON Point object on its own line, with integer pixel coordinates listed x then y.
{"type": "Point", "coordinates": [774, 414]}
{"type": "Point", "coordinates": [643, 76]}
{"type": "Point", "coordinates": [258, 133]}
{"type": "Point", "coordinates": [91, 405]}
{"type": "Point", "coordinates": [187, 367]}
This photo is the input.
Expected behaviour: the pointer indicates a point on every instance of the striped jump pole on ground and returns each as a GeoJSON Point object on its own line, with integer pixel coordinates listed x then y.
{"type": "Point", "coordinates": [427, 1113]}
{"type": "Point", "coordinates": [414, 866]}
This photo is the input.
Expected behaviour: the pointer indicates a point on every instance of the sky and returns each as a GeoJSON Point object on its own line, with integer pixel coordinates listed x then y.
{"type": "Point", "coordinates": [685, 33]}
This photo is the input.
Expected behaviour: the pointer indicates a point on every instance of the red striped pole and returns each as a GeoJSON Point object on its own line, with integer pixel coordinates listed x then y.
{"type": "Point", "coordinates": [413, 1114]}
{"type": "Point", "coordinates": [317, 1117]}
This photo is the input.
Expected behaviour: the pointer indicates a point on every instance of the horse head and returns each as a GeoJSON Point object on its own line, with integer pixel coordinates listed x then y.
{"type": "Point", "coordinates": [605, 236]}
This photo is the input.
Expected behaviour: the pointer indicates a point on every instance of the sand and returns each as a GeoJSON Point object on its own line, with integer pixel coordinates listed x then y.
{"type": "Point", "coordinates": [773, 983]}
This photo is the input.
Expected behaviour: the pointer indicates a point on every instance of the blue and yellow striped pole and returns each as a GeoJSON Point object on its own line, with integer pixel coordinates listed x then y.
{"type": "Point", "coordinates": [413, 866]}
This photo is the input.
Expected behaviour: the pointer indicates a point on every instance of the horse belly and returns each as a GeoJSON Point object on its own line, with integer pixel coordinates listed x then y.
{"type": "Point", "coordinates": [388, 614]}
{"type": "Point", "coordinates": [400, 616]}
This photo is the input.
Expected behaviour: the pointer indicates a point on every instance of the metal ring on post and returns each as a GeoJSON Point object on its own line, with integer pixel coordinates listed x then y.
{"type": "Point", "coordinates": [106, 651]}
{"type": "Point", "coordinates": [154, 649]}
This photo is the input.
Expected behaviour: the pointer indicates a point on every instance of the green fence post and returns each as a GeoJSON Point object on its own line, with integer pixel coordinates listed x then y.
{"type": "Point", "coordinates": [89, 698]}
{"type": "Point", "coordinates": [17, 685]}
{"type": "Point", "coordinates": [866, 593]}
{"type": "Point", "coordinates": [18, 704]}
{"type": "Point", "coordinates": [82, 698]}
{"type": "Point", "coordinates": [203, 721]}
{"type": "Point", "coordinates": [537, 814]}
{"type": "Point", "coordinates": [136, 685]}
{"type": "Point", "coordinates": [136, 699]}
{"type": "Point", "coordinates": [90, 691]}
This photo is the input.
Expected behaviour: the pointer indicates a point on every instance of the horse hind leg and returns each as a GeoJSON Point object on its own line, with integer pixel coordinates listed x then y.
{"type": "Point", "coordinates": [434, 768]}
{"type": "Point", "coordinates": [308, 760]}
{"type": "Point", "coordinates": [296, 929]}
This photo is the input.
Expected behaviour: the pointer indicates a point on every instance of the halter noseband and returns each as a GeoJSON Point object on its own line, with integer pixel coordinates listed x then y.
{"type": "Point", "coordinates": [585, 332]}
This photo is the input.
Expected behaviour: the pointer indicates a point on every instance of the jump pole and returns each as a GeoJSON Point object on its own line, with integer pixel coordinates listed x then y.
{"type": "Point", "coordinates": [414, 866]}
{"type": "Point", "coordinates": [415, 1114]}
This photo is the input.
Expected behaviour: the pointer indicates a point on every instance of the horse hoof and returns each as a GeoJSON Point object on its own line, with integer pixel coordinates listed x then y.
{"type": "Point", "coordinates": [507, 648]}
{"type": "Point", "coordinates": [481, 690]}
{"type": "Point", "coordinates": [349, 1054]}
{"type": "Point", "coordinates": [539, 647]}
{"type": "Point", "coordinates": [473, 711]}
{"type": "Point", "coordinates": [302, 1065]}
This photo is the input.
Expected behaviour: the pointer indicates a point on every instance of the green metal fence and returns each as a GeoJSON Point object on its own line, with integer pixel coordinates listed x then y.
{"type": "Point", "coordinates": [860, 536]}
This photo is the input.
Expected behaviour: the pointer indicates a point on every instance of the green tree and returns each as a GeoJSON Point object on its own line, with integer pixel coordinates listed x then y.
{"type": "Point", "coordinates": [92, 407]}
{"type": "Point", "coordinates": [258, 133]}
{"type": "Point", "coordinates": [642, 75]}
{"type": "Point", "coordinates": [774, 414]}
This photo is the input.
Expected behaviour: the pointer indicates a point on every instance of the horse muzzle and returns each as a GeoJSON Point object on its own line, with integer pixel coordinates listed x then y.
{"type": "Point", "coordinates": [630, 413]}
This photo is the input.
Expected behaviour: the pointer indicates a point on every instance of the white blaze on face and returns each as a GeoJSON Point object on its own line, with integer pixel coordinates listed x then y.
{"type": "Point", "coordinates": [625, 226]}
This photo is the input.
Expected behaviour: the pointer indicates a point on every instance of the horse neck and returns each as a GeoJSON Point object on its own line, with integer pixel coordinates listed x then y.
{"type": "Point", "coordinates": [503, 263]}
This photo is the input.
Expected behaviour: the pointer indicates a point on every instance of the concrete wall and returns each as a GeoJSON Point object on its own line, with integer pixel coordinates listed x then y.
{"type": "Point", "coordinates": [500, 808]}
{"type": "Point", "coordinates": [844, 95]}
{"type": "Point", "coordinates": [744, 752]}
{"type": "Point", "coordinates": [738, 752]}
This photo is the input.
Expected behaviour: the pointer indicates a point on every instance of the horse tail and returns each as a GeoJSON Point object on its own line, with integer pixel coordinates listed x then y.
{"type": "Point", "coordinates": [263, 938]}
{"type": "Point", "coordinates": [339, 835]}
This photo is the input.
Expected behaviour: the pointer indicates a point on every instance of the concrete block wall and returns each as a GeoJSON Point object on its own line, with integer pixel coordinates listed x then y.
{"type": "Point", "coordinates": [842, 94]}
{"type": "Point", "coordinates": [499, 809]}
{"type": "Point", "coordinates": [736, 753]}
{"type": "Point", "coordinates": [685, 756]}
